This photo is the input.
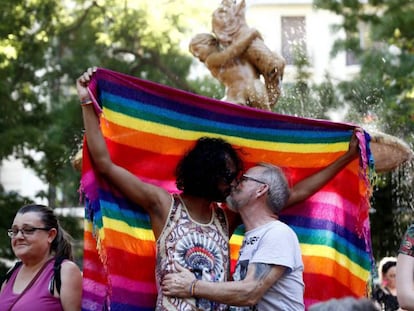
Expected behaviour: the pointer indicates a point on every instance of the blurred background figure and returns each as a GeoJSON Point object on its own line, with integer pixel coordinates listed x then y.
{"type": "Point", "coordinates": [385, 293]}
{"type": "Point", "coordinates": [345, 304]}
{"type": "Point", "coordinates": [45, 277]}
{"type": "Point", "coordinates": [405, 271]}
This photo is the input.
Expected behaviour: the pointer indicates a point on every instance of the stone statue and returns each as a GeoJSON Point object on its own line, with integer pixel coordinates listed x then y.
{"type": "Point", "coordinates": [229, 24]}
{"type": "Point", "coordinates": [238, 75]}
{"type": "Point", "coordinates": [230, 29]}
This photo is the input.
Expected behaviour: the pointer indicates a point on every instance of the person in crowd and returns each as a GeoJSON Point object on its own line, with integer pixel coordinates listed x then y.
{"type": "Point", "coordinates": [405, 271]}
{"type": "Point", "coordinates": [385, 294]}
{"type": "Point", "coordinates": [268, 274]}
{"type": "Point", "coordinates": [345, 304]}
{"type": "Point", "coordinates": [41, 245]}
{"type": "Point", "coordinates": [191, 220]}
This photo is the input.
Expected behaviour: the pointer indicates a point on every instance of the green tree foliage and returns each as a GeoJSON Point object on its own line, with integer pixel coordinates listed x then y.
{"type": "Point", "coordinates": [304, 98]}
{"type": "Point", "coordinates": [10, 203]}
{"type": "Point", "coordinates": [382, 98]}
{"type": "Point", "coordinates": [392, 202]}
{"type": "Point", "coordinates": [22, 111]}
{"type": "Point", "coordinates": [385, 86]}
{"type": "Point", "coordinates": [46, 44]}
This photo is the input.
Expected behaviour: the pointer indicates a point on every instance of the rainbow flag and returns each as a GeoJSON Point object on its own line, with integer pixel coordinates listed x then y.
{"type": "Point", "coordinates": [148, 127]}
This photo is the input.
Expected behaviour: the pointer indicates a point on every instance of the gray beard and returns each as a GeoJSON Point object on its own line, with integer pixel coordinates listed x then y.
{"type": "Point", "coordinates": [232, 204]}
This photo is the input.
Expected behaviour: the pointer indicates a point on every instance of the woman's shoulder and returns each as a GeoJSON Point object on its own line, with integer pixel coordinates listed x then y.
{"type": "Point", "coordinates": [69, 266]}
{"type": "Point", "coordinates": [70, 273]}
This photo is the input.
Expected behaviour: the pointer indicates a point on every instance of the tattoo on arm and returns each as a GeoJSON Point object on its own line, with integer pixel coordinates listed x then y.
{"type": "Point", "coordinates": [261, 270]}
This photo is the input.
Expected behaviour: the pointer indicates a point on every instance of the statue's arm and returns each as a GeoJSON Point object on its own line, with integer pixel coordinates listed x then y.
{"type": "Point", "coordinates": [232, 51]}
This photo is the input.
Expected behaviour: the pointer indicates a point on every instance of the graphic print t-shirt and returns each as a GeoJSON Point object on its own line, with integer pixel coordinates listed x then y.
{"type": "Point", "coordinates": [407, 243]}
{"type": "Point", "coordinates": [276, 244]}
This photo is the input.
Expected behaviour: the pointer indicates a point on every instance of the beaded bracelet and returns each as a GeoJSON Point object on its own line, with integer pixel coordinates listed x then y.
{"type": "Point", "coordinates": [86, 101]}
{"type": "Point", "coordinates": [192, 287]}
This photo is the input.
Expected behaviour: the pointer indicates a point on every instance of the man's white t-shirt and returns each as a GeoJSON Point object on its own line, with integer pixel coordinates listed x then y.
{"type": "Point", "coordinates": [274, 243]}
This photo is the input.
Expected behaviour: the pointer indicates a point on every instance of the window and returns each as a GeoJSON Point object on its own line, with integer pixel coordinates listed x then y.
{"type": "Point", "coordinates": [293, 37]}
{"type": "Point", "coordinates": [351, 58]}
{"type": "Point", "coordinates": [364, 42]}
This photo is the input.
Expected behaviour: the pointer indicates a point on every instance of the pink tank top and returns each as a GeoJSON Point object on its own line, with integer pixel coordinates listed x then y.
{"type": "Point", "coordinates": [37, 297]}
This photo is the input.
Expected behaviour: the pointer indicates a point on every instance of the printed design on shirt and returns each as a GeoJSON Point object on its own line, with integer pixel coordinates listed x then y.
{"type": "Point", "coordinates": [202, 255]}
{"type": "Point", "coordinates": [251, 240]}
{"type": "Point", "coordinates": [240, 271]}
{"type": "Point", "coordinates": [239, 274]}
{"type": "Point", "coordinates": [407, 243]}
{"type": "Point", "coordinates": [201, 248]}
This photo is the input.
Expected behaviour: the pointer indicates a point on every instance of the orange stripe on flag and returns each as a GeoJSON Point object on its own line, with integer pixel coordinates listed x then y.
{"type": "Point", "coordinates": [330, 268]}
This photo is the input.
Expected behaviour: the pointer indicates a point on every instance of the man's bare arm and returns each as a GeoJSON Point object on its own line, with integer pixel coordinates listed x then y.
{"type": "Point", "coordinates": [260, 277]}
{"type": "Point", "coordinates": [405, 281]}
{"type": "Point", "coordinates": [307, 187]}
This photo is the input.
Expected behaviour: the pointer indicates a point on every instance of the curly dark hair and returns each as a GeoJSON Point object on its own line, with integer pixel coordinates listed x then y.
{"type": "Point", "coordinates": [202, 168]}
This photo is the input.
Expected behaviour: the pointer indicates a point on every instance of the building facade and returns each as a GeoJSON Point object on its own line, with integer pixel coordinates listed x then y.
{"type": "Point", "coordinates": [288, 26]}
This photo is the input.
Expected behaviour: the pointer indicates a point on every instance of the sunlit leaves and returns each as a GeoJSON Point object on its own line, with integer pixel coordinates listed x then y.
{"type": "Point", "coordinates": [46, 44]}
{"type": "Point", "coordinates": [381, 98]}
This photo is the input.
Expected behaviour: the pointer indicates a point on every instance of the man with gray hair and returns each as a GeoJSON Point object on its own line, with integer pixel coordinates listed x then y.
{"type": "Point", "coordinates": [269, 271]}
